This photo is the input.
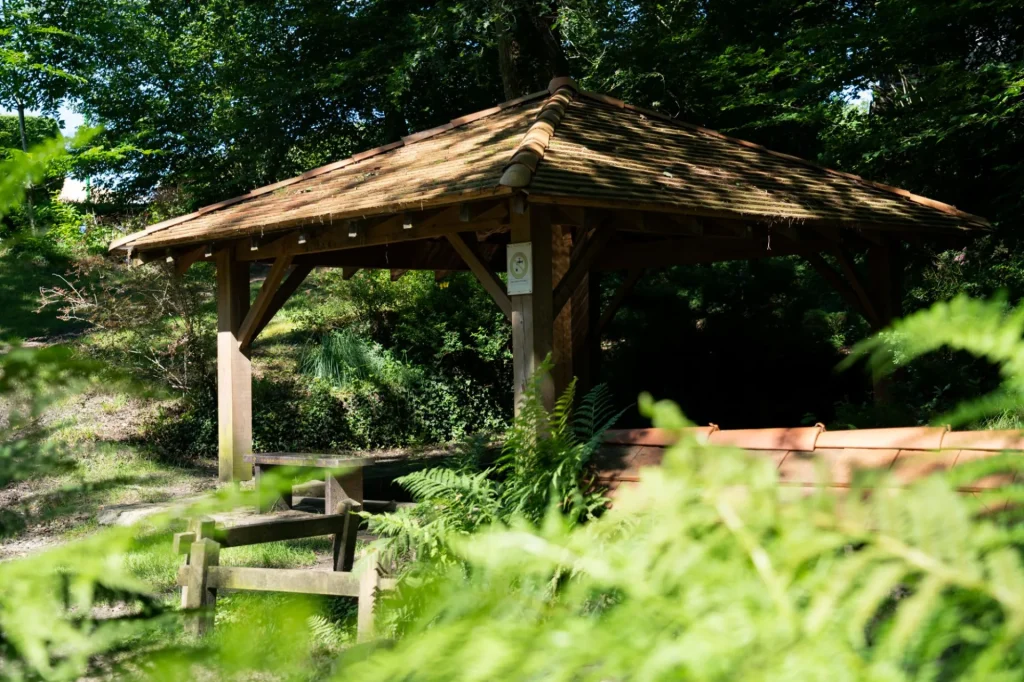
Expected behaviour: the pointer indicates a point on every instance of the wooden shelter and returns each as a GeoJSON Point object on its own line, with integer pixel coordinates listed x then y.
{"type": "Point", "coordinates": [590, 183]}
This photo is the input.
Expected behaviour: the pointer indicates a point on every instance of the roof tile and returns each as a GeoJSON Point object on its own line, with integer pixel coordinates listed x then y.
{"type": "Point", "coordinates": [565, 145]}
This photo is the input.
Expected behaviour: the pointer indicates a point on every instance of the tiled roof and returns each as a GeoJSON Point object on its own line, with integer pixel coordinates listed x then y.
{"type": "Point", "coordinates": [813, 456]}
{"type": "Point", "coordinates": [562, 144]}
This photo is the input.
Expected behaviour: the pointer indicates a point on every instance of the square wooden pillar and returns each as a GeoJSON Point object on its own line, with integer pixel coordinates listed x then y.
{"type": "Point", "coordinates": [562, 347]}
{"type": "Point", "coordinates": [532, 319]}
{"type": "Point", "coordinates": [234, 369]}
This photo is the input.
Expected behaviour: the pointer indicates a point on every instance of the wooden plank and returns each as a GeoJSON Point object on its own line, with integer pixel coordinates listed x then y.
{"type": "Point", "coordinates": [257, 315]}
{"type": "Point", "coordinates": [532, 318]}
{"type": "Point", "coordinates": [291, 580]}
{"type": "Point", "coordinates": [623, 292]}
{"type": "Point", "coordinates": [234, 369]}
{"type": "Point", "coordinates": [277, 530]}
{"type": "Point", "coordinates": [308, 460]}
{"type": "Point", "coordinates": [488, 279]}
{"type": "Point", "coordinates": [199, 594]}
{"type": "Point", "coordinates": [580, 266]}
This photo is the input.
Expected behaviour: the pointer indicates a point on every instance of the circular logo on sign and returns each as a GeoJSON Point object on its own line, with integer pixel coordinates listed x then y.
{"type": "Point", "coordinates": [519, 265]}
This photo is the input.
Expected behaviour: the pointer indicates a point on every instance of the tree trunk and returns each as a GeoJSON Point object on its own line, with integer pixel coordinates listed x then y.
{"type": "Point", "coordinates": [24, 148]}
{"type": "Point", "coordinates": [530, 50]}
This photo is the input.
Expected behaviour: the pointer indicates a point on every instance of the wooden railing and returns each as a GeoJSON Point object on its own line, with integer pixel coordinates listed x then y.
{"type": "Point", "coordinates": [201, 574]}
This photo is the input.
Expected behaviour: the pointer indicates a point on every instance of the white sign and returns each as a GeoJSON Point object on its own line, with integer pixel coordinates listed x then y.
{"type": "Point", "coordinates": [520, 268]}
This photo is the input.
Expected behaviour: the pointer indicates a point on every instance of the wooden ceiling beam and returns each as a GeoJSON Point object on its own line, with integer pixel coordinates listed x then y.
{"type": "Point", "coordinates": [389, 230]}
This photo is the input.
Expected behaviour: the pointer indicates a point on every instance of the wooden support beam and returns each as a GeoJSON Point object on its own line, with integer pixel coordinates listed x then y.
{"type": "Point", "coordinates": [867, 306]}
{"type": "Point", "coordinates": [348, 273]}
{"type": "Point", "coordinates": [839, 283]}
{"type": "Point", "coordinates": [234, 369]}
{"type": "Point", "coordinates": [532, 318]}
{"type": "Point", "coordinates": [185, 259]}
{"type": "Point", "coordinates": [290, 285]}
{"type": "Point", "coordinates": [581, 265]}
{"type": "Point", "coordinates": [257, 315]}
{"type": "Point", "coordinates": [623, 292]}
{"type": "Point", "coordinates": [469, 252]}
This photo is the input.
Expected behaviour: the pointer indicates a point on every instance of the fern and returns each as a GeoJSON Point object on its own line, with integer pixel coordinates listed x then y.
{"type": "Point", "coordinates": [986, 329]}
{"type": "Point", "coordinates": [542, 462]}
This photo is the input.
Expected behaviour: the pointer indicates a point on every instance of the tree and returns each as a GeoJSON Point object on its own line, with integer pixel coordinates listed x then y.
{"type": "Point", "coordinates": [34, 64]}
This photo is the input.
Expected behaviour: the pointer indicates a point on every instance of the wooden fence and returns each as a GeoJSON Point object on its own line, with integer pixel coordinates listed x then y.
{"type": "Point", "coordinates": [201, 574]}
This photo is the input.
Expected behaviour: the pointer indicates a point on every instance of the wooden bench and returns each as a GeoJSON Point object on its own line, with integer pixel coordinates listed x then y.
{"type": "Point", "coordinates": [201, 574]}
{"type": "Point", "coordinates": [343, 477]}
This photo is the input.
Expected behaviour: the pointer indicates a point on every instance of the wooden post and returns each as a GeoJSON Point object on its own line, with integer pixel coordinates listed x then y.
{"type": "Point", "coordinates": [369, 583]}
{"type": "Point", "coordinates": [562, 347]}
{"type": "Point", "coordinates": [532, 320]}
{"type": "Point", "coordinates": [343, 546]}
{"type": "Point", "coordinates": [234, 369]}
{"type": "Point", "coordinates": [196, 594]}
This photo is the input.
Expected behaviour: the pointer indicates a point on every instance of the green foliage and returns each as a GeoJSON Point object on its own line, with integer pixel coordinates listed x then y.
{"type": "Point", "coordinates": [709, 569]}
{"type": "Point", "coordinates": [989, 330]}
{"type": "Point", "coordinates": [29, 381]}
{"type": "Point", "coordinates": [541, 467]}
{"type": "Point", "coordinates": [342, 358]}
